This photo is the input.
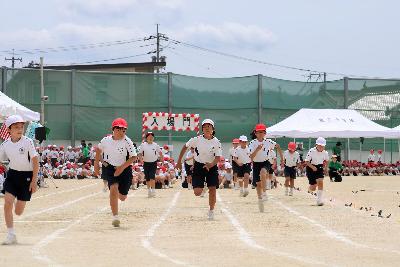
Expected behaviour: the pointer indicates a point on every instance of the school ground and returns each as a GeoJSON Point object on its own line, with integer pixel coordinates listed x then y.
{"type": "Point", "coordinates": [71, 226]}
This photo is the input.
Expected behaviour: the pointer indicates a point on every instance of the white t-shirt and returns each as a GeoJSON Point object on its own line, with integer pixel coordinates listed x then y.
{"type": "Point", "coordinates": [228, 176]}
{"type": "Point", "coordinates": [19, 154]}
{"type": "Point", "coordinates": [243, 155]}
{"type": "Point", "coordinates": [115, 152]}
{"type": "Point", "coordinates": [232, 154]}
{"type": "Point", "coordinates": [261, 155]}
{"type": "Point", "coordinates": [291, 160]}
{"type": "Point", "coordinates": [150, 152]}
{"type": "Point", "coordinates": [53, 154]}
{"type": "Point", "coordinates": [315, 157]}
{"type": "Point", "coordinates": [379, 158]}
{"type": "Point", "coordinates": [271, 156]}
{"type": "Point", "coordinates": [371, 157]}
{"type": "Point", "coordinates": [70, 155]}
{"type": "Point", "coordinates": [189, 154]}
{"type": "Point", "coordinates": [205, 150]}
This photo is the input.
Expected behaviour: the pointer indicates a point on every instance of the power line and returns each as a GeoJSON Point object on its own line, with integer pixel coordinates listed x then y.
{"type": "Point", "coordinates": [263, 62]}
{"type": "Point", "coordinates": [73, 47]}
{"type": "Point", "coordinates": [13, 59]}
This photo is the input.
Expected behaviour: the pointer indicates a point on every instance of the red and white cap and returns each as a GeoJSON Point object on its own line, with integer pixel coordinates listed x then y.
{"type": "Point", "coordinates": [235, 141]}
{"type": "Point", "coordinates": [120, 122]}
{"type": "Point", "coordinates": [13, 119]}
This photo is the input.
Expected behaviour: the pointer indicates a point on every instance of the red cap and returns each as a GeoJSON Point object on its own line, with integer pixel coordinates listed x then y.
{"type": "Point", "coordinates": [120, 122]}
{"type": "Point", "coordinates": [260, 127]}
{"type": "Point", "coordinates": [235, 141]}
{"type": "Point", "coordinates": [380, 151]}
{"type": "Point", "coordinates": [62, 147]}
{"type": "Point", "coordinates": [292, 146]}
{"type": "Point", "coordinates": [372, 151]}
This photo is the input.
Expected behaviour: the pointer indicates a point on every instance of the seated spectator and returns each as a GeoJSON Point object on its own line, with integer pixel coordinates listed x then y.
{"type": "Point", "coordinates": [335, 169]}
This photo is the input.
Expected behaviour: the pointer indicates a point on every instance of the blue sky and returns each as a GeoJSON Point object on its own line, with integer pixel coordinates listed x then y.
{"type": "Point", "coordinates": [352, 37]}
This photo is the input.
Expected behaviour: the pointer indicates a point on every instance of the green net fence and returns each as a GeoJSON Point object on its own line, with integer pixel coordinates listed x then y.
{"type": "Point", "coordinates": [82, 105]}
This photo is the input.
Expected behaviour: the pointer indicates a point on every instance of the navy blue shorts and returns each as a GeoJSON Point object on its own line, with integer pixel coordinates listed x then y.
{"type": "Point", "coordinates": [290, 172]}
{"type": "Point", "coordinates": [314, 175]}
{"type": "Point", "coordinates": [245, 168]}
{"type": "Point", "coordinates": [17, 184]}
{"type": "Point", "coordinates": [235, 167]}
{"type": "Point", "coordinates": [149, 170]}
{"type": "Point", "coordinates": [124, 180]}
{"type": "Point", "coordinates": [201, 175]}
{"type": "Point", "coordinates": [257, 166]}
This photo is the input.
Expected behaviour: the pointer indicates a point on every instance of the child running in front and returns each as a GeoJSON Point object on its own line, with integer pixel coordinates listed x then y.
{"type": "Point", "coordinates": [207, 154]}
{"type": "Point", "coordinates": [21, 181]}
{"type": "Point", "coordinates": [316, 161]}
{"type": "Point", "coordinates": [118, 154]}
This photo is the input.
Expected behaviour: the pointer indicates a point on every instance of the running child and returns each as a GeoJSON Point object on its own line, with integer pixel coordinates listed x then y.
{"type": "Point", "coordinates": [243, 161]}
{"type": "Point", "coordinates": [316, 161]}
{"type": "Point", "coordinates": [259, 148]}
{"type": "Point", "coordinates": [235, 144]}
{"type": "Point", "coordinates": [21, 181]}
{"type": "Point", "coordinates": [118, 154]}
{"type": "Point", "coordinates": [292, 160]}
{"type": "Point", "coordinates": [149, 153]}
{"type": "Point", "coordinates": [207, 154]}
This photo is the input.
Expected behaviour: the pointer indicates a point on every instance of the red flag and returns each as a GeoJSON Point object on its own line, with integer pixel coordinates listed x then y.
{"type": "Point", "coordinates": [4, 132]}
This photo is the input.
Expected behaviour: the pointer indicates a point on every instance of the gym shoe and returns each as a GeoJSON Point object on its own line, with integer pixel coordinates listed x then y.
{"type": "Point", "coordinates": [116, 222]}
{"type": "Point", "coordinates": [291, 193]}
{"type": "Point", "coordinates": [149, 194]}
{"type": "Point", "coordinates": [286, 192]}
{"type": "Point", "coordinates": [241, 194]}
{"type": "Point", "coordinates": [261, 205]}
{"type": "Point", "coordinates": [210, 215]}
{"type": "Point", "coordinates": [320, 203]}
{"type": "Point", "coordinates": [245, 193]}
{"type": "Point", "coordinates": [10, 240]}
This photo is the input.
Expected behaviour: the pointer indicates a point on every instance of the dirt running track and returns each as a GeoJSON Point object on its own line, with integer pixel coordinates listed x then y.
{"type": "Point", "coordinates": [71, 226]}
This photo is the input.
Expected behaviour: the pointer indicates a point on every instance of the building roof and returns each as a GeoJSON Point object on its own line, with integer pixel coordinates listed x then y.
{"type": "Point", "coordinates": [105, 66]}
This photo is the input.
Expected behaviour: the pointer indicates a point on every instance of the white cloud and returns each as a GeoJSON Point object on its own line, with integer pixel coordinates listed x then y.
{"type": "Point", "coordinates": [172, 4]}
{"type": "Point", "coordinates": [97, 7]}
{"type": "Point", "coordinates": [230, 33]}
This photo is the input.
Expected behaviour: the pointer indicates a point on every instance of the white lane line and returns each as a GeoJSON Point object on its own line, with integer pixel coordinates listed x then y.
{"type": "Point", "coordinates": [56, 234]}
{"type": "Point", "coordinates": [330, 233]}
{"type": "Point", "coordinates": [66, 204]}
{"type": "Point", "coordinates": [64, 221]}
{"type": "Point", "coordinates": [249, 241]}
{"type": "Point", "coordinates": [36, 249]}
{"type": "Point", "coordinates": [65, 191]}
{"type": "Point", "coordinates": [146, 240]}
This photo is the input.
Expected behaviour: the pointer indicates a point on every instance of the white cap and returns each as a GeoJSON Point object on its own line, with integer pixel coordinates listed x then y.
{"type": "Point", "coordinates": [54, 146]}
{"type": "Point", "coordinates": [13, 119]}
{"type": "Point", "coordinates": [208, 121]}
{"type": "Point", "coordinates": [321, 141]}
{"type": "Point", "coordinates": [69, 147]}
{"type": "Point", "coordinates": [243, 138]}
{"type": "Point", "coordinates": [228, 165]}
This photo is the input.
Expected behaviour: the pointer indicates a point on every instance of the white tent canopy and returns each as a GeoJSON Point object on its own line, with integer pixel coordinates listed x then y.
{"type": "Point", "coordinates": [340, 123]}
{"type": "Point", "coordinates": [10, 107]}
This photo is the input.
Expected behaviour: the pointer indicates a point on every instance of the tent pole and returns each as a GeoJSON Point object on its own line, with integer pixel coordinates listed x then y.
{"type": "Point", "coordinates": [348, 148]}
{"type": "Point", "coordinates": [309, 143]}
{"type": "Point", "coordinates": [360, 150]}
{"type": "Point", "coordinates": [384, 150]}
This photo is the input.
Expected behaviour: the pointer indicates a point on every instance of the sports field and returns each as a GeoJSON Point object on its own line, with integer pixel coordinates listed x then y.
{"type": "Point", "coordinates": [71, 226]}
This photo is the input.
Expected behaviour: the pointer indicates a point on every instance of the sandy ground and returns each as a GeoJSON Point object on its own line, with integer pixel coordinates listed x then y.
{"type": "Point", "coordinates": [71, 226]}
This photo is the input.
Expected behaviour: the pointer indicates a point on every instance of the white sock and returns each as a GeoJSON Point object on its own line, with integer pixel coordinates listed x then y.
{"type": "Point", "coordinates": [287, 189]}
{"type": "Point", "coordinates": [319, 195]}
{"type": "Point", "coordinates": [115, 217]}
{"type": "Point", "coordinates": [291, 189]}
{"type": "Point", "coordinates": [241, 190]}
{"type": "Point", "coordinates": [11, 231]}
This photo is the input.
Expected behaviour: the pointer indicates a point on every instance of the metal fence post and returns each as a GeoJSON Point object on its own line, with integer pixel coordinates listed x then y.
{"type": "Point", "coordinates": [346, 92]}
{"type": "Point", "coordinates": [260, 107]}
{"type": "Point", "coordinates": [73, 75]}
{"type": "Point", "coordinates": [4, 79]}
{"type": "Point", "coordinates": [169, 102]}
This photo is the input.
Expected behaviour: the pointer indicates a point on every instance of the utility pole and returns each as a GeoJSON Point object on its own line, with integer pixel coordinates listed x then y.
{"type": "Point", "coordinates": [13, 59]}
{"type": "Point", "coordinates": [159, 36]}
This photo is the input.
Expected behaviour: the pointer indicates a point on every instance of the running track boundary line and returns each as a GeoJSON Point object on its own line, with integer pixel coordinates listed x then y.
{"type": "Point", "coordinates": [245, 237]}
